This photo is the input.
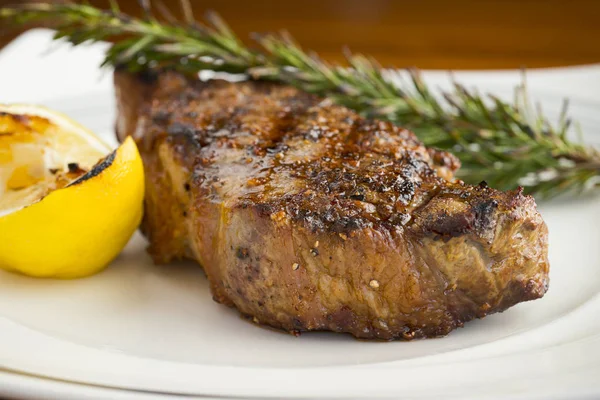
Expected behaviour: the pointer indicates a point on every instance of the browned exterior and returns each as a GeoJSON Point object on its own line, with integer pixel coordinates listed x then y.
{"type": "Point", "coordinates": [306, 216]}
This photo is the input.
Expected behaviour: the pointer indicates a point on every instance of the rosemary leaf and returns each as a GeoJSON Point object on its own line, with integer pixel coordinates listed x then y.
{"type": "Point", "coordinates": [502, 143]}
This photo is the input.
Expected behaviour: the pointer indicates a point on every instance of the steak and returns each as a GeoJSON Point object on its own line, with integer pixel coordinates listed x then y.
{"type": "Point", "coordinates": [306, 216]}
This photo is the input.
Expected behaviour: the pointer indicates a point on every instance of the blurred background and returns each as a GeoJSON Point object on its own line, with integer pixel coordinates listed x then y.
{"type": "Point", "coordinates": [429, 34]}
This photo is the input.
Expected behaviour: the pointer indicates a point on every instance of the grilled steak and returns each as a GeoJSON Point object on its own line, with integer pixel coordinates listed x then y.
{"type": "Point", "coordinates": [306, 216]}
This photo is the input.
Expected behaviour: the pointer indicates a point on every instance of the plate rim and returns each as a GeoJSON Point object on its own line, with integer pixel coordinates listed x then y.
{"type": "Point", "coordinates": [349, 378]}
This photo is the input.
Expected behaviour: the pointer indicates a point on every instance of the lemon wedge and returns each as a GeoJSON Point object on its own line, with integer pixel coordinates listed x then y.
{"type": "Point", "coordinates": [68, 205]}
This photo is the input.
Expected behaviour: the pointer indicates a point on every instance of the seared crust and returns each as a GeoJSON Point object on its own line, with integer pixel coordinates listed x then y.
{"type": "Point", "coordinates": [306, 216]}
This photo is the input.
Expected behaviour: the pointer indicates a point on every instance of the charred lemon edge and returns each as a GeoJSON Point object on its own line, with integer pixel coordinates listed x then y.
{"type": "Point", "coordinates": [63, 122]}
{"type": "Point", "coordinates": [100, 167]}
{"type": "Point", "coordinates": [56, 117]}
{"type": "Point", "coordinates": [80, 203]}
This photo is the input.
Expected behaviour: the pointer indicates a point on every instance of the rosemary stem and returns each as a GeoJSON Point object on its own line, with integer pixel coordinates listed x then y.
{"type": "Point", "coordinates": [496, 141]}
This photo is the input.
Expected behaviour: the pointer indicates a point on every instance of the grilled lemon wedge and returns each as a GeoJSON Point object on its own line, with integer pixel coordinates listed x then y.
{"type": "Point", "coordinates": [67, 208]}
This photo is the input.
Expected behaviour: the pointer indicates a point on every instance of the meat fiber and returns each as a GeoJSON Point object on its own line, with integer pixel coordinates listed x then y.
{"type": "Point", "coordinates": [306, 216]}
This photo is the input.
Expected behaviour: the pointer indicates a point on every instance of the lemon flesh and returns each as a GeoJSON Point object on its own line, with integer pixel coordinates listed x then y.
{"type": "Point", "coordinates": [66, 208]}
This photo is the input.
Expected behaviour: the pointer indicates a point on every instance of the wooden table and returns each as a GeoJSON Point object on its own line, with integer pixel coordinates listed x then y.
{"type": "Point", "coordinates": [459, 34]}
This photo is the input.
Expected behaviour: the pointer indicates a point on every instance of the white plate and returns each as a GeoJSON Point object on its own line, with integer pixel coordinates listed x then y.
{"type": "Point", "coordinates": [143, 327]}
{"type": "Point", "coordinates": [28, 387]}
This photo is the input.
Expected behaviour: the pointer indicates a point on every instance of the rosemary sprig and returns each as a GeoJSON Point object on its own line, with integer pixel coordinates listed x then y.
{"type": "Point", "coordinates": [504, 144]}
